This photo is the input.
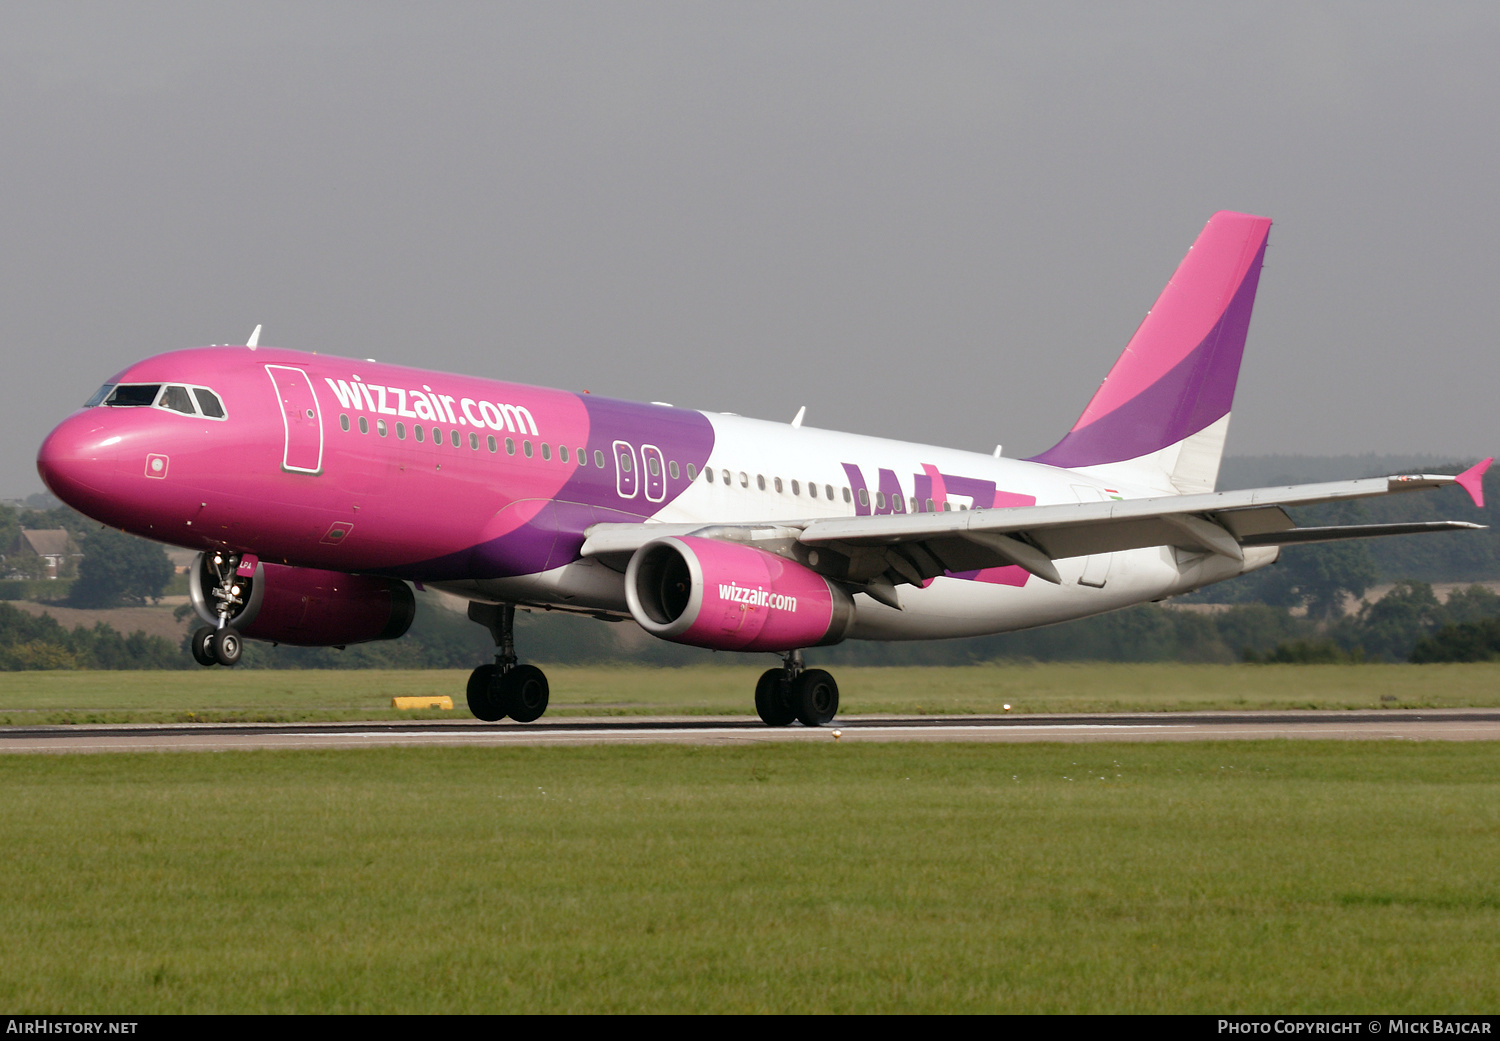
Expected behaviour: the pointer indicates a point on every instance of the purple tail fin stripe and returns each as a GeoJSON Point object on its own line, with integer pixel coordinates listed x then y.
{"type": "Point", "coordinates": [1178, 373]}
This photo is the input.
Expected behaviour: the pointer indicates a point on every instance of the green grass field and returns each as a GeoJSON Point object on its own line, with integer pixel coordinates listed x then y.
{"type": "Point", "coordinates": [1236, 877]}
{"type": "Point", "coordinates": [78, 697]}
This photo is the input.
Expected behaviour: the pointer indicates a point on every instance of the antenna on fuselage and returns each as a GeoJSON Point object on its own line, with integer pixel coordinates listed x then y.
{"type": "Point", "coordinates": [254, 340]}
{"type": "Point", "coordinates": [797, 420]}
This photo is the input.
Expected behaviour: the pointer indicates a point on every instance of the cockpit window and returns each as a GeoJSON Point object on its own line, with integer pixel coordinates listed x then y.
{"type": "Point", "coordinates": [133, 394]}
{"type": "Point", "coordinates": [176, 399]}
{"type": "Point", "coordinates": [208, 403]}
{"type": "Point", "coordinates": [186, 400]}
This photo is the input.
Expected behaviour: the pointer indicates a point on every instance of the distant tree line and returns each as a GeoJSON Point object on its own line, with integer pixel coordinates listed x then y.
{"type": "Point", "coordinates": [41, 642]}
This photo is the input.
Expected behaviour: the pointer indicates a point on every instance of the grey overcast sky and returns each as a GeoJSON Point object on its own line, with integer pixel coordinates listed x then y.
{"type": "Point", "coordinates": [931, 221]}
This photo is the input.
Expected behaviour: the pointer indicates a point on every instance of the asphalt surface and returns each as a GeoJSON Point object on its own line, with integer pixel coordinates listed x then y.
{"type": "Point", "coordinates": [1393, 724]}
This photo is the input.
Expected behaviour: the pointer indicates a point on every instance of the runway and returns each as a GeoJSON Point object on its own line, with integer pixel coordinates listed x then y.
{"type": "Point", "coordinates": [1394, 724]}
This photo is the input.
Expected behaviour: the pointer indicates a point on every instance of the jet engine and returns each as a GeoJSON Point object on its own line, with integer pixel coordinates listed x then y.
{"type": "Point", "coordinates": [303, 606]}
{"type": "Point", "coordinates": [733, 597]}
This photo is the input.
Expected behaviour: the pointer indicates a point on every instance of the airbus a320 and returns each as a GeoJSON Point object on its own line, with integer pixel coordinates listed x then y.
{"type": "Point", "coordinates": [316, 488]}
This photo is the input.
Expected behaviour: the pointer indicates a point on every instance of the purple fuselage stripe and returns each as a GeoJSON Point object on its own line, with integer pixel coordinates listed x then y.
{"type": "Point", "coordinates": [554, 536]}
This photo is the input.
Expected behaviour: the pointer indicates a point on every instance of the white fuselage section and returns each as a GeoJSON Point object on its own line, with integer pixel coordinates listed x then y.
{"type": "Point", "coordinates": [764, 472]}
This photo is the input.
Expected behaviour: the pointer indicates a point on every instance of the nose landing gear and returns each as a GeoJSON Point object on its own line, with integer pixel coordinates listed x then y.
{"type": "Point", "coordinates": [793, 691]}
{"type": "Point", "coordinates": [505, 688]}
{"type": "Point", "coordinates": [222, 644]}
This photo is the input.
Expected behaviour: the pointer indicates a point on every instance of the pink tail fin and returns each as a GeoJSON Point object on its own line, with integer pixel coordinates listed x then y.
{"type": "Point", "coordinates": [1177, 375]}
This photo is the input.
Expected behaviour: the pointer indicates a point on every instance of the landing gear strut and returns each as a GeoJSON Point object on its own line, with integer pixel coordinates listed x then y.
{"type": "Point", "coordinates": [221, 644]}
{"type": "Point", "coordinates": [796, 692]}
{"type": "Point", "coordinates": [505, 688]}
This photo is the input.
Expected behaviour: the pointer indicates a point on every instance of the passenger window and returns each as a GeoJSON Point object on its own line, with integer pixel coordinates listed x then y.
{"type": "Point", "coordinates": [880, 500]}
{"type": "Point", "coordinates": [724, 474]}
{"type": "Point", "coordinates": [929, 506]}
{"type": "Point", "coordinates": [364, 425]}
{"type": "Point", "coordinates": [380, 427]}
{"type": "Point", "coordinates": [760, 481]}
{"type": "Point", "coordinates": [437, 435]}
{"type": "Point", "coordinates": [709, 475]}
{"type": "Point", "coordinates": [418, 431]}
{"type": "Point", "coordinates": [653, 465]}
{"type": "Point", "coordinates": [209, 403]}
{"type": "Point", "coordinates": [344, 421]}
{"type": "Point", "coordinates": [829, 489]}
{"type": "Point", "coordinates": [456, 441]}
{"type": "Point", "coordinates": [846, 494]}
{"type": "Point", "coordinates": [812, 489]}
{"type": "Point", "coordinates": [599, 458]}
{"type": "Point", "coordinates": [914, 504]}
{"type": "Point", "coordinates": [473, 441]}
{"type": "Point", "coordinates": [777, 484]}
{"type": "Point", "coordinates": [583, 457]}
{"type": "Point", "coordinates": [493, 445]}
{"type": "Point", "coordinates": [562, 453]}
{"type": "Point", "coordinates": [796, 488]}
{"type": "Point", "coordinates": [624, 462]}
{"type": "Point", "coordinates": [400, 431]}
{"type": "Point", "coordinates": [546, 451]}
{"type": "Point", "coordinates": [510, 446]}
{"type": "Point", "coordinates": [672, 469]}
{"type": "Point", "coordinates": [526, 448]}
{"type": "Point", "coordinates": [744, 479]}
{"type": "Point", "coordinates": [864, 497]}
{"type": "Point", "coordinates": [692, 472]}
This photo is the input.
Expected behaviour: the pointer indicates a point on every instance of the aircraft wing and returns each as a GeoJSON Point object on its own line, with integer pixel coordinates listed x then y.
{"type": "Point", "coordinates": [914, 547]}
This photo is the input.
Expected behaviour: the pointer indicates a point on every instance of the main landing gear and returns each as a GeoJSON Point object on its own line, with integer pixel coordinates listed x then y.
{"type": "Point", "coordinates": [793, 691]}
{"type": "Point", "coordinates": [221, 644]}
{"type": "Point", "coordinates": [505, 688]}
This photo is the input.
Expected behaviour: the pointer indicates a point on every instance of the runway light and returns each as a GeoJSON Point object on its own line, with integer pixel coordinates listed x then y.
{"type": "Point", "coordinates": [837, 734]}
{"type": "Point", "coordinates": [1007, 708]}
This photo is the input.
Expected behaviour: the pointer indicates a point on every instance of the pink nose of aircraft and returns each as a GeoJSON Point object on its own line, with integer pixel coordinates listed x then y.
{"type": "Point", "coordinates": [80, 461]}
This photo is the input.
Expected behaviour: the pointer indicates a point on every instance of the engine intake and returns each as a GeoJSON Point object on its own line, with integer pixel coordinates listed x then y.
{"type": "Point", "coordinates": [733, 597]}
{"type": "Point", "coordinates": [309, 607]}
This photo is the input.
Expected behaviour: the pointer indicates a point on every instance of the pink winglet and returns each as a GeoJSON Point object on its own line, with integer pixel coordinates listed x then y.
{"type": "Point", "coordinates": [1472, 481]}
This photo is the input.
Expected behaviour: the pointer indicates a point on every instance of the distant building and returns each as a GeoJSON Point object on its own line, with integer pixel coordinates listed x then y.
{"type": "Point", "coordinates": [42, 554]}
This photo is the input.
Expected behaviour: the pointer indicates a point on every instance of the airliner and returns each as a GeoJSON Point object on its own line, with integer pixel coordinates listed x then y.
{"type": "Point", "coordinates": [318, 490]}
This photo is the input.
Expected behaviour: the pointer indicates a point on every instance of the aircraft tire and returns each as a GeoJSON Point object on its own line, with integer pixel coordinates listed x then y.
{"type": "Point", "coordinates": [484, 694]}
{"type": "Point", "coordinates": [202, 646]}
{"type": "Point", "coordinates": [772, 699]}
{"type": "Point", "coordinates": [524, 693]}
{"type": "Point", "coordinates": [815, 697]}
{"type": "Point", "coordinates": [227, 646]}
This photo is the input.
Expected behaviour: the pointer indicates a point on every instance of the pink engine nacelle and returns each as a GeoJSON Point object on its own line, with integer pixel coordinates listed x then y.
{"type": "Point", "coordinates": [733, 597]}
{"type": "Point", "coordinates": [311, 608]}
